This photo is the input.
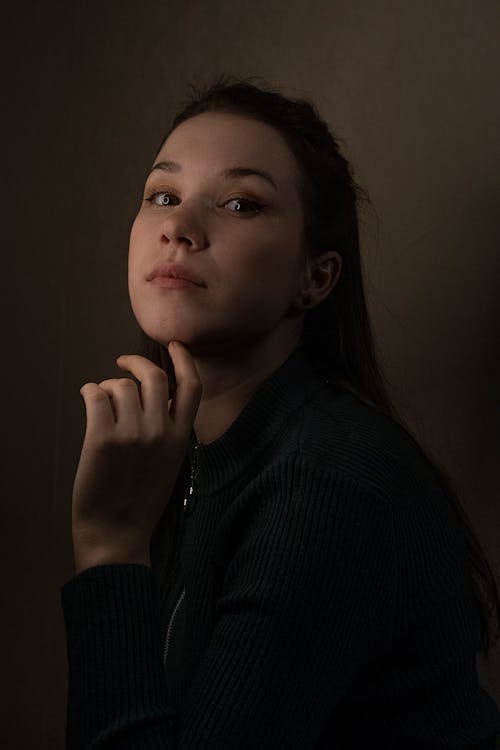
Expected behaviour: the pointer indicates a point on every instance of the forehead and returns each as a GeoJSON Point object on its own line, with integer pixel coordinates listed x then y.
{"type": "Point", "coordinates": [214, 140]}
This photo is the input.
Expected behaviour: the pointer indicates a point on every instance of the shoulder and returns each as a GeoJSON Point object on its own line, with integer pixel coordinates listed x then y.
{"type": "Point", "coordinates": [336, 430]}
{"type": "Point", "coordinates": [336, 433]}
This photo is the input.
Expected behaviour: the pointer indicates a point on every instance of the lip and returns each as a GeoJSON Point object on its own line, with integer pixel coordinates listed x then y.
{"type": "Point", "coordinates": [170, 282]}
{"type": "Point", "coordinates": [174, 271]}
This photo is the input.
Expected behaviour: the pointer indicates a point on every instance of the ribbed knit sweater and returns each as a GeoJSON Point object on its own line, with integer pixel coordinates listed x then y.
{"type": "Point", "coordinates": [321, 597]}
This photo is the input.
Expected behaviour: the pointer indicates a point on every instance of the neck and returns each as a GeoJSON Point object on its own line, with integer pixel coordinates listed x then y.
{"type": "Point", "coordinates": [229, 384]}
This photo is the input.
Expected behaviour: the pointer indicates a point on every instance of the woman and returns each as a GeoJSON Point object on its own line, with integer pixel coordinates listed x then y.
{"type": "Point", "coordinates": [264, 556]}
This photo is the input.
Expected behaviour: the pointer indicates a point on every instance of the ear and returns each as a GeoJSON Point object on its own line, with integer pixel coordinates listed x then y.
{"type": "Point", "coordinates": [322, 275]}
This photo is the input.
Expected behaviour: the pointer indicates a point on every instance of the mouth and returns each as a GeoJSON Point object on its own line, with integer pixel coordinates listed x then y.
{"type": "Point", "coordinates": [169, 282]}
{"type": "Point", "coordinates": [175, 271]}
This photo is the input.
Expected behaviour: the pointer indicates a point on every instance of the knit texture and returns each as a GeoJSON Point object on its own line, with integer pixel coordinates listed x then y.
{"type": "Point", "coordinates": [320, 597]}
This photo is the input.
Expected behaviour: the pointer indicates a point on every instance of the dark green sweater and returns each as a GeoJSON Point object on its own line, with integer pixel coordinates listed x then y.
{"type": "Point", "coordinates": [321, 597]}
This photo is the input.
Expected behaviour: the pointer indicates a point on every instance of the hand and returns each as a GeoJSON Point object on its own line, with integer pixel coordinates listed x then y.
{"type": "Point", "coordinates": [132, 453]}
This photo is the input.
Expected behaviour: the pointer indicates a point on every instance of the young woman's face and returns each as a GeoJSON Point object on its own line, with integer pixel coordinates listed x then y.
{"type": "Point", "coordinates": [247, 256]}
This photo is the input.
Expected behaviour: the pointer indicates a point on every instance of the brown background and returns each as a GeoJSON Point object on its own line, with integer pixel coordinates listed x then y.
{"type": "Point", "coordinates": [89, 91]}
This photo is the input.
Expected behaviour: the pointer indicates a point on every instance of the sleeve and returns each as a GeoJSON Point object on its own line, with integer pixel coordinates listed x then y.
{"type": "Point", "coordinates": [307, 598]}
{"type": "Point", "coordinates": [116, 690]}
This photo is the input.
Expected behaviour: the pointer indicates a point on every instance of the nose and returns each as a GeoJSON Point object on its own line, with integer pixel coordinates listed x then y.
{"type": "Point", "coordinates": [183, 224]}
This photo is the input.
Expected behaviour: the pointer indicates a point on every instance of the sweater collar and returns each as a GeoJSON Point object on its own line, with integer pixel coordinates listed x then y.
{"type": "Point", "coordinates": [263, 417]}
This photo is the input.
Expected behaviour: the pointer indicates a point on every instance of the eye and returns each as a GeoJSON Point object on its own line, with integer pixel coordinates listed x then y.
{"type": "Point", "coordinates": [257, 206]}
{"type": "Point", "coordinates": [152, 198]}
{"type": "Point", "coordinates": [159, 198]}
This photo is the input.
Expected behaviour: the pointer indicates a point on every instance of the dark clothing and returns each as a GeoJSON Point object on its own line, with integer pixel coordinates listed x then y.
{"type": "Point", "coordinates": [321, 597]}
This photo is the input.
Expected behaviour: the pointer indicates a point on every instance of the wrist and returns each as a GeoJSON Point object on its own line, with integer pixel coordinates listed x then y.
{"type": "Point", "coordinates": [85, 559]}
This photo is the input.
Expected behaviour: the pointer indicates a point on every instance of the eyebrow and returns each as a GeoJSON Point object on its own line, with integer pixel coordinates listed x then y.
{"type": "Point", "coordinates": [230, 173]}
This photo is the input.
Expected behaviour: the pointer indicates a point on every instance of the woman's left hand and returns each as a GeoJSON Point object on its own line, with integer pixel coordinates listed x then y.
{"type": "Point", "coordinates": [132, 453]}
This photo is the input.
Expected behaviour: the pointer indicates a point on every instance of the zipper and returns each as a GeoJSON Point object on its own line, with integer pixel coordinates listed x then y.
{"type": "Point", "coordinates": [167, 639]}
{"type": "Point", "coordinates": [187, 509]}
{"type": "Point", "coordinates": [194, 471]}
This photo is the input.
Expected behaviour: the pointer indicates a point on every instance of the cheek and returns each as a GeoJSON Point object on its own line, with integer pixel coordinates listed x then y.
{"type": "Point", "coordinates": [139, 253]}
{"type": "Point", "coordinates": [268, 275]}
{"type": "Point", "coordinates": [137, 233]}
{"type": "Point", "coordinates": [274, 261]}
{"type": "Point", "coordinates": [136, 259]}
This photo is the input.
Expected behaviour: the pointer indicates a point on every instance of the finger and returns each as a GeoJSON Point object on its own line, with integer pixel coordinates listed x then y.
{"type": "Point", "coordinates": [100, 416]}
{"type": "Point", "coordinates": [154, 388]}
{"type": "Point", "coordinates": [125, 401]}
{"type": "Point", "coordinates": [189, 389]}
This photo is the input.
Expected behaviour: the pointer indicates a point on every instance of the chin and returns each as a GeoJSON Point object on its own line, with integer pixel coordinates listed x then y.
{"type": "Point", "coordinates": [161, 327]}
{"type": "Point", "coordinates": [163, 334]}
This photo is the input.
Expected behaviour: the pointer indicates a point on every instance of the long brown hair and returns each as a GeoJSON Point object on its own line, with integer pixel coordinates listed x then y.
{"type": "Point", "coordinates": [337, 333]}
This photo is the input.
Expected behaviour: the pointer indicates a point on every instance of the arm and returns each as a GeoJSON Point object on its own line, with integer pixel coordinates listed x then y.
{"type": "Point", "coordinates": [306, 599]}
{"type": "Point", "coordinates": [116, 682]}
